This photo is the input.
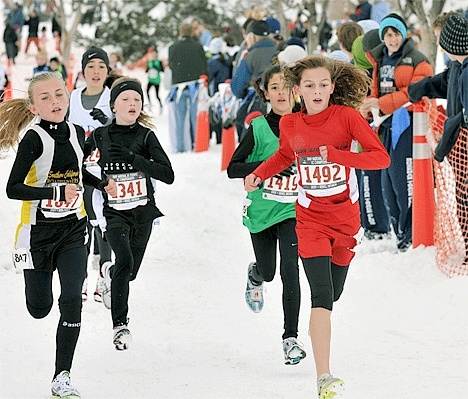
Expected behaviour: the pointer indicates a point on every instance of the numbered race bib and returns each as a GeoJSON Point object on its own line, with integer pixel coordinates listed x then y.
{"type": "Point", "coordinates": [22, 259]}
{"type": "Point", "coordinates": [281, 190]}
{"type": "Point", "coordinates": [131, 191]}
{"type": "Point", "coordinates": [60, 209]}
{"type": "Point", "coordinates": [153, 73]}
{"type": "Point", "coordinates": [320, 178]}
{"type": "Point", "coordinates": [93, 158]}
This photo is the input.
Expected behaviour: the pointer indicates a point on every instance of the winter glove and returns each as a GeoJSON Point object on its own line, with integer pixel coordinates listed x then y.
{"type": "Point", "coordinates": [289, 171]}
{"type": "Point", "coordinates": [98, 115]}
{"type": "Point", "coordinates": [103, 183]}
{"type": "Point", "coordinates": [118, 153]}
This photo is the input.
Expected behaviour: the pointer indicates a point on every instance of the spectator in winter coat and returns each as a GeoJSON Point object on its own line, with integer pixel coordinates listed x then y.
{"type": "Point", "coordinates": [56, 65]}
{"type": "Point", "coordinates": [262, 49]}
{"type": "Point", "coordinates": [219, 65]}
{"type": "Point", "coordinates": [187, 62]}
{"type": "Point", "coordinates": [10, 38]}
{"type": "Point", "coordinates": [452, 35]}
{"type": "Point", "coordinates": [443, 85]}
{"type": "Point", "coordinates": [16, 17]}
{"type": "Point", "coordinates": [362, 11]}
{"type": "Point", "coordinates": [33, 36]}
{"type": "Point", "coordinates": [42, 66]}
{"type": "Point", "coordinates": [396, 64]}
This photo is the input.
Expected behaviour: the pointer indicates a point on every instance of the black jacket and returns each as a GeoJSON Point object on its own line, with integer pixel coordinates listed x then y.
{"type": "Point", "coordinates": [443, 85]}
{"type": "Point", "coordinates": [187, 60]}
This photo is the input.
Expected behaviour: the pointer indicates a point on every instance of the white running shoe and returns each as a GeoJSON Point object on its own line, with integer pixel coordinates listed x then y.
{"type": "Point", "coordinates": [62, 388]}
{"type": "Point", "coordinates": [329, 387]}
{"type": "Point", "coordinates": [253, 293]}
{"type": "Point", "coordinates": [293, 351]}
{"type": "Point", "coordinates": [106, 286]}
{"type": "Point", "coordinates": [122, 337]}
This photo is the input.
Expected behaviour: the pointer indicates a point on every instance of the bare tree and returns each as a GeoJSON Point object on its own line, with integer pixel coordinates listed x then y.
{"type": "Point", "coordinates": [425, 17]}
{"type": "Point", "coordinates": [68, 14]}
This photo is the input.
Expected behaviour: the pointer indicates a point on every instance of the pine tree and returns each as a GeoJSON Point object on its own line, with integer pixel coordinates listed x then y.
{"type": "Point", "coordinates": [135, 26]}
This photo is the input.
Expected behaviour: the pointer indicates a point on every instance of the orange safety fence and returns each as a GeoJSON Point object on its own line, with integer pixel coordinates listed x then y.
{"type": "Point", "coordinates": [451, 197]}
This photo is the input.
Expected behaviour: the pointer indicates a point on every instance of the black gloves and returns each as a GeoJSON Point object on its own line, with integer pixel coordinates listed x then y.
{"type": "Point", "coordinates": [118, 153]}
{"type": "Point", "coordinates": [289, 171]}
{"type": "Point", "coordinates": [103, 183]}
{"type": "Point", "coordinates": [98, 115]}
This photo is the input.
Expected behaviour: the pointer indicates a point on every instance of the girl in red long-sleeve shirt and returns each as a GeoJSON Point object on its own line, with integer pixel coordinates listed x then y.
{"type": "Point", "coordinates": [322, 139]}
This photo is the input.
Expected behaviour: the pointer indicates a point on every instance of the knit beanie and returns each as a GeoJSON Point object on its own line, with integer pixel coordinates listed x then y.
{"type": "Point", "coordinates": [91, 54]}
{"type": "Point", "coordinates": [259, 28]}
{"type": "Point", "coordinates": [371, 40]}
{"type": "Point", "coordinates": [454, 35]}
{"type": "Point", "coordinates": [359, 55]}
{"type": "Point", "coordinates": [393, 21]}
{"type": "Point", "coordinates": [123, 86]}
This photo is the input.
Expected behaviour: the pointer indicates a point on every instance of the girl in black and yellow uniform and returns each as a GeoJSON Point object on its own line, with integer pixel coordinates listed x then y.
{"type": "Point", "coordinates": [132, 155]}
{"type": "Point", "coordinates": [47, 176]}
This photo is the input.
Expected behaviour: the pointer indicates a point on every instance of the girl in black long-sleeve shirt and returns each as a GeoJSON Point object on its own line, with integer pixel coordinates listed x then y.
{"type": "Point", "coordinates": [133, 157]}
{"type": "Point", "coordinates": [48, 177]}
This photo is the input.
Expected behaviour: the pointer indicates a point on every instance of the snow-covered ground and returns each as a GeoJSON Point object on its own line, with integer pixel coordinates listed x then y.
{"type": "Point", "coordinates": [400, 329]}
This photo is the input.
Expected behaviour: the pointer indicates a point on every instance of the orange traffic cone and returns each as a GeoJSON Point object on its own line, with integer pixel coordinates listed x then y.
{"type": "Point", "coordinates": [423, 181]}
{"type": "Point", "coordinates": [228, 142]}
{"type": "Point", "coordinates": [202, 137]}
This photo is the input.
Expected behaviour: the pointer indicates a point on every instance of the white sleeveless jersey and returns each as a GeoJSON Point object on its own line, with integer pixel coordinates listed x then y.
{"type": "Point", "coordinates": [81, 117]}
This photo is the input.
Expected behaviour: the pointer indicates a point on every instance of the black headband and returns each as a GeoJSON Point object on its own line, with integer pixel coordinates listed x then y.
{"type": "Point", "coordinates": [127, 85]}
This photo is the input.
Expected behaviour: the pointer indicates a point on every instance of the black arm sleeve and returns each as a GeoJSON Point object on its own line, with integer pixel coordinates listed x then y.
{"type": "Point", "coordinates": [30, 148]}
{"type": "Point", "coordinates": [431, 87]}
{"type": "Point", "coordinates": [238, 167]}
{"type": "Point", "coordinates": [159, 166]}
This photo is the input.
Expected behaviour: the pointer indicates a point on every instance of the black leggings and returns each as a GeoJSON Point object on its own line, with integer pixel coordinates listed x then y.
{"type": "Point", "coordinates": [129, 245]}
{"type": "Point", "coordinates": [156, 88]}
{"type": "Point", "coordinates": [326, 280]}
{"type": "Point", "coordinates": [265, 247]}
{"type": "Point", "coordinates": [103, 247]}
{"type": "Point", "coordinates": [71, 266]}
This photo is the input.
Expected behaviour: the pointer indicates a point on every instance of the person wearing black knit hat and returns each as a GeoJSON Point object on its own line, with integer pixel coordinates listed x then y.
{"type": "Point", "coordinates": [90, 109]}
{"type": "Point", "coordinates": [454, 41]}
{"type": "Point", "coordinates": [454, 35]}
{"type": "Point", "coordinates": [450, 84]}
{"type": "Point", "coordinates": [371, 40]}
{"type": "Point", "coordinates": [94, 53]}
{"type": "Point", "coordinates": [396, 64]}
